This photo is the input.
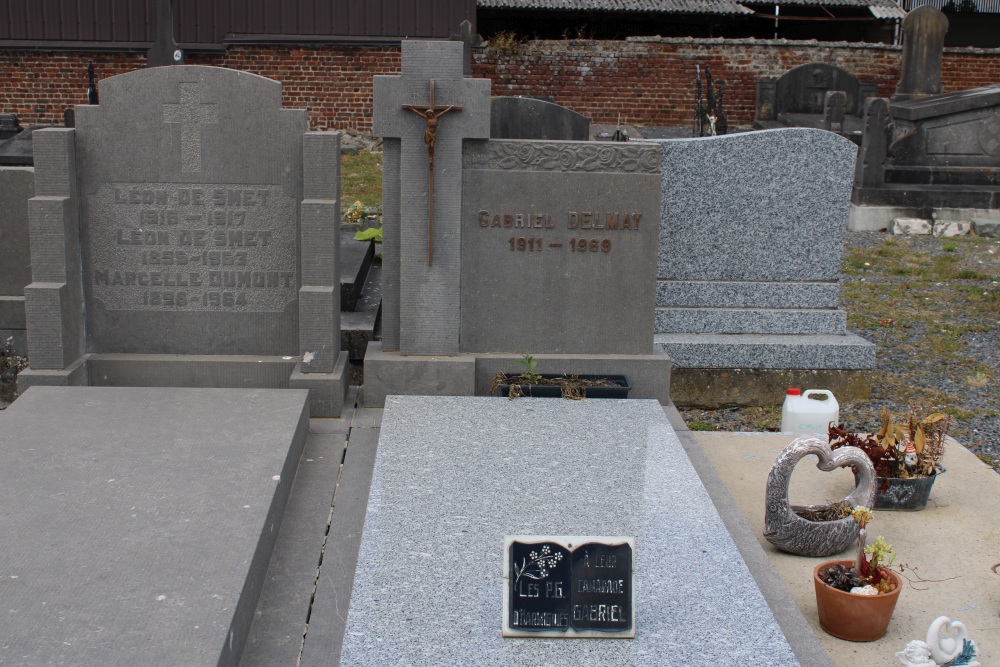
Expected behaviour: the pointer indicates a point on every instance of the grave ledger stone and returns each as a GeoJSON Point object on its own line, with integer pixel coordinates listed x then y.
{"type": "Point", "coordinates": [492, 468]}
{"type": "Point", "coordinates": [494, 248]}
{"type": "Point", "coordinates": [138, 523]}
{"type": "Point", "coordinates": [185, 234]}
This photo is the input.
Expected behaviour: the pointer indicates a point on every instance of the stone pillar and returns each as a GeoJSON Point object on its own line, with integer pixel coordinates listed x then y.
{"type": "Point", "coordinates": [923, 47]}
{"type": "Point", "coordinates": [869, 170]}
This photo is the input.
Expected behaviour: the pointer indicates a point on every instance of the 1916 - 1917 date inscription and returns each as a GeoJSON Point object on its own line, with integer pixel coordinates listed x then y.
{"type": "Point", "coordinates": [192, 247]}
{"type": "Point", "coordinates": [578, 232]}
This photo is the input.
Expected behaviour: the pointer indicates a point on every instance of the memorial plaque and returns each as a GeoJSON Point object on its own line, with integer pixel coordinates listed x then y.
{"type": "Point", "coordinates": [569, 587]}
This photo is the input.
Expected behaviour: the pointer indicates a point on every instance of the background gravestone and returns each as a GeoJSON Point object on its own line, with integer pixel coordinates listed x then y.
{"type": "Point", "coordinates": [530, 118]}
{"type": "Point", "coordinates": [752, 231]}
{"type": "Point", "coordinates": [17, 186]}
{"type": "Point", "coordinates": [923, 48]}
{"type": "Point", "coordinates": [196, 238]}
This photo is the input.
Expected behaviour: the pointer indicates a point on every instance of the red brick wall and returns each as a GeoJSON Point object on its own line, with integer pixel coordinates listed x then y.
{"type": "Point", "coordinates": [641, 81]}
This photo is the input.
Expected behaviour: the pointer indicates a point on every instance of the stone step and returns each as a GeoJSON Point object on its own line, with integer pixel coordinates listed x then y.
{"type": "Point", "coordinates": [726, 294]}
{"type": "Point", "coordinates": [750, 321]}
{"type": "Point", "coordinates": [361, 325]}
{"type": "Point", "coordinates": [689, 350]}
{"type": "Point", "coordinates": [355, 261]}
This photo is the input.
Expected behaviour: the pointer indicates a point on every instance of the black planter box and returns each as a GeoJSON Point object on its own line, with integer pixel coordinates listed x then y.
{"type": "Point", "coordinates": [555, 391]}
{"type": "Point", "coordinates": [898, 493]}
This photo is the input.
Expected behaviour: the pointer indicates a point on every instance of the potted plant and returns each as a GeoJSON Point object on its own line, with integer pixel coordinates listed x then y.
{"type": "Point", "coordinates": [907, 457]}
{"type": "Point", "coordinates": [572, 386]}
{"type": "Point", "coordinates": [855, 599]}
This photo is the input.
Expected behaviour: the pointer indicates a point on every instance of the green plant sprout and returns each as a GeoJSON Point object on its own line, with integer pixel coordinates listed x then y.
{"type": "Point", "coordinates": [529, 363]}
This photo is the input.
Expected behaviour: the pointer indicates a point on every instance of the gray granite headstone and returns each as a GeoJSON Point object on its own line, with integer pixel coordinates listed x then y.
{"type": "Point", "coordinates": [478, 469]}
{"type": "Point", "coordinates": [423, 265]}
{"type": "Point", "coordinates": [17, 186]}
{"type": "Point", "coordinates": [752, 233]}
{"type": "Point", "coordinates": [923, 48]}
{"type": "Point", "coordinates": [196, 236]}
{"type": "Point", "coordinates": [559, 247]}
{"type": "Point", "coordinates": [138, 523]}
{"type": "Point", "coordinates": [530, 118]}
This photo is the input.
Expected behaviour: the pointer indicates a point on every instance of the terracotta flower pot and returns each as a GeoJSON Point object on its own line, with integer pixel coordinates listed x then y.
{"type": "Point", "coordinates": [856, 618]}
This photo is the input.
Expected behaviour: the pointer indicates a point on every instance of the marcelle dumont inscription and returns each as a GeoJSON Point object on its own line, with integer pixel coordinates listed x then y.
{"type": "Point", "coordinates": [169, 246]}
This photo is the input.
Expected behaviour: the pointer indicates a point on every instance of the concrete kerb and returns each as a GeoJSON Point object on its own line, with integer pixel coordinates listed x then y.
{"type": "Point", "coordinates": [797, 630]}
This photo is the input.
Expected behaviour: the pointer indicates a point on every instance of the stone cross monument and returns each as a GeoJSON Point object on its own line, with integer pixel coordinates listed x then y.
{"type": "Point", "coordinates": [424, 115]}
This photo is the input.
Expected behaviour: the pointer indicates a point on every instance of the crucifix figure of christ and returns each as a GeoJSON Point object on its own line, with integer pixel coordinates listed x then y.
{"type": "Point", "coordinates": [431, 113]}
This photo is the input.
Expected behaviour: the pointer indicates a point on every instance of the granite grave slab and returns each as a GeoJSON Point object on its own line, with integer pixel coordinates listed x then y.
{"type": "Point", "coordinates": [752, 231]}
{"type": "Point", "coordinates": [163, 227]}
{"type": "Point", "coordinates": [480, 468]}
{"type": "Point", "coordinates": [17, 186]}
{"type": "Point", "coordinates": [138, 523]}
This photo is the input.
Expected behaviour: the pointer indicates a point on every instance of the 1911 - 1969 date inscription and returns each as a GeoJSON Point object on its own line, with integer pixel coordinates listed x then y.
{"type": "Point", "coordinates": [160, 246]}
{"type": "Point", "coordinates": [582, 232]}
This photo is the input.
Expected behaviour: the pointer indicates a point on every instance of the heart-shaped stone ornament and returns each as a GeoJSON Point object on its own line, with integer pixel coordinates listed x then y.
{"type": "Point", "coordinates": [789, 531]}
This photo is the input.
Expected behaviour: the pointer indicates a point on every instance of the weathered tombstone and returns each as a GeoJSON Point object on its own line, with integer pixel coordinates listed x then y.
{"type": "Point", "coordinates": [9, 126]}
{"type": "Point", "coordinates": [140, 521]}
{"type": "Point", "coordinates": [530, 118]}
{"type": "Point", "coordinates": [834, 106]}
{"type": "Point", "coordinates": [538, 246]}
{"type": "Point", "coordinates": [749, 265]}
{"type": "Point", "coordinates": [923, 48]}
{"type": "Point", "coordinates": [935, 156]}
{"type": "Point", "coordinates": [469, 41]}
{"type": "Point", "coordinates": [491, 468]}
{"type": "Point", "coordinates": [173, 247]}
{"type": "Point", "coordinates": [17, 186]}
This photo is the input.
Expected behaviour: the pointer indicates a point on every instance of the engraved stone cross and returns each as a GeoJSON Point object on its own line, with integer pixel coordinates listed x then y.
{"type": "Point", "coordinates": [190, 115]}
{"type": "Point", "coordinates": [422, 177]}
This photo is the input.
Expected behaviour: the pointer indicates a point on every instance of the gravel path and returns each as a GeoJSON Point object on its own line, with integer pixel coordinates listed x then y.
{"type": "Point", "coordinates": [938, 337]}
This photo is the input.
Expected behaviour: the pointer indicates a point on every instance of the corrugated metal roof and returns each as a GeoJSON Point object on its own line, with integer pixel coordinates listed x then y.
{"type": "Point", "coordinates": [658, 6]}
{"type": "Point", "coordinates": [883, 4]}
{"type": "Point", "coordinates": [890, 11]}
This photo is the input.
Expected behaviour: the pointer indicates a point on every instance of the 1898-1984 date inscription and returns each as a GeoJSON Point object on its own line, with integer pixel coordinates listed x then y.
{"type": "Point", "coordinates": [168, 246]}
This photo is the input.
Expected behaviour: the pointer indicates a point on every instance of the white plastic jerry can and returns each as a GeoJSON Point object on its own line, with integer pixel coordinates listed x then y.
{"type": "Point", "coordinates": [802, 414]}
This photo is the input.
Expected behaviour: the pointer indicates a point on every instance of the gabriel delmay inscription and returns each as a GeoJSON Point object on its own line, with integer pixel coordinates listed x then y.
{"type": "Point", "coordinates": [168, 246]}
{"type": "Point", "coordinates": [561, 588]}
{"type": "Point", "coordinates": [580, 232]}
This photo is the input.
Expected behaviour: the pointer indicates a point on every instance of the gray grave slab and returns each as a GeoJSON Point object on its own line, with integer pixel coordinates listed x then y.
{"type": "Point", "coordinates": [751, 321]}
{"type": "Point", "coordinates": [489, 467]}
{"type": "Point", "coordinates": [139, 522]}
{"type": "Point", "coordinates": [559, 247]}
{"type": "Point", "coordinates": [694, 293]}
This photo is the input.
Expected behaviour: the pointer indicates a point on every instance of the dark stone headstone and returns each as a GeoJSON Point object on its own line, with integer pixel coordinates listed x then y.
{"type": "Point", "coordinates": [469, 41]}
{"type": "Point", "coordinates": [9, 125]}
{"type": "Point", "coordinates": [834, 107]}
{"type": "Point", "coordinates": [19, 150]}
{"type": "Point", "coordinates": [17, 186]}
{"type": "Point", "coordinates": [923, 48]}
{"type": "Point", "coordinates": [530, 118]}
{"type": "Point", "coordinates": [803, 89]}
{"type": "Point", "coordinates": [139, 522]}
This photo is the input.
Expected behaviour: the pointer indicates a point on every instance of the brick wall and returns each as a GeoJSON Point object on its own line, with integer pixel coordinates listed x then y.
{"type": "Point", "coordinates": [641, 81]}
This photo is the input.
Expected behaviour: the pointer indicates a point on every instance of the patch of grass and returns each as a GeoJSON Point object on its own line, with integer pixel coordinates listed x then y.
{"type": "Point", "coordinates": [361, 179]}
{"type": "Point", "coordinates": [702, 426]}
{"type": "Point", "coordinates": [950, 247]}
{"type": "Point", "coordinates": [971, 274]}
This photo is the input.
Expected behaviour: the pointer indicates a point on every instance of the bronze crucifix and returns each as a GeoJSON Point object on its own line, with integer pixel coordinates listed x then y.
{"type": "Point", "coordinates": [431, 113]}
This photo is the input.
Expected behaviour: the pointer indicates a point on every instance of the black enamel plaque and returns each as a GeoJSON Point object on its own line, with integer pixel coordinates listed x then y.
{"type": "Point", "coordinates": [569, 587]}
